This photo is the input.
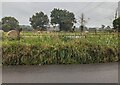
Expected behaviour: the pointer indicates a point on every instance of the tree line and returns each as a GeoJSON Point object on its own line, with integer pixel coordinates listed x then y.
{"type": "Point", "coordinates": [40, 21]}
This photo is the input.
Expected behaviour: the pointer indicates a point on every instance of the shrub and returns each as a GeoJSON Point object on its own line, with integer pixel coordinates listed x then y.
{"type": "Point", "coordinates": [73, 52]}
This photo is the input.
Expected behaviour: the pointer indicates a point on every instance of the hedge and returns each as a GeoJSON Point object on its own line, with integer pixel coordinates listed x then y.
{"type": "Point", "coordinates": [68, 53]}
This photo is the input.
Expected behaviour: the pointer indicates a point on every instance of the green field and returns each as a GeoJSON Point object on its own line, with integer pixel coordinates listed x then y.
{"type": "Point", "coordinates": [60, 48]}
{"type": "Point", "coordinates": [109, 39]}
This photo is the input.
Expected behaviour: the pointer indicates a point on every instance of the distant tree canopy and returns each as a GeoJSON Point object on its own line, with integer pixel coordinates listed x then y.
{"type": "Point", "coordinates": [103, 27]}
{"type": "Point", "coordinates": [116, 24]}
{"type": "Point", "coordinates": [26, 27]}
{"type": "Point", "coordinates": [39, 21]}
{"type": "Point", "coordinates": [64, 18]}
{"type": "Point", "coordinates": [9, 23]}
{"type": "Point", "coordinates": [0, 25]}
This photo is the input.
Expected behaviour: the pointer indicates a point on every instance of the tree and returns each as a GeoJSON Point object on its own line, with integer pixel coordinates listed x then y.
{"type": "Point", "coordinates": [116, 24]}
{"type": "Point", "coordinates": [26, 27]}
{"type": "Point", "coordinates": [39, 21]}
{"type": "Point", "coordinates": [108, 29]}
{"type": "Point", "coordinates": [103, 27]}
{"type": "Point", "coordinates": [0, 25]}
{"type": "Point", "coordinates": [9, 23]}
{"type": "Point", "coordinates": [64, 18]}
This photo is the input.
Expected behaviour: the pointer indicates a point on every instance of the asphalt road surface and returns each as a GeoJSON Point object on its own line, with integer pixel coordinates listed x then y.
{"type": "Point", "coordinates": [83, 73]}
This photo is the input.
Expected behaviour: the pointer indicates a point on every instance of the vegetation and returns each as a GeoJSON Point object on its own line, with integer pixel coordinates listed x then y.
{"type": "Point", "coordinates": [64, 18]}
{"type": "Point", "coordinates": [60, 48]}
{"type": "Point", "coordinates": [9, 23]}
{"type": "Point", "coordinates": [64, 47]}
{"type": "Point", "coordinates": [116, 24]}
{"type": "Point", "coordinates": [39, 21]}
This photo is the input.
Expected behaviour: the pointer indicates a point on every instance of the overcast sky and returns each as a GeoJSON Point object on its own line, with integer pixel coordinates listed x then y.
{"type": "Point", "coordinates": [96, 13]}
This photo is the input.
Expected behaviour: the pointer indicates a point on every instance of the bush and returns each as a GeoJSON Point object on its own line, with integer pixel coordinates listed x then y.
{"type": "Point", "coordinates": [72, 52]}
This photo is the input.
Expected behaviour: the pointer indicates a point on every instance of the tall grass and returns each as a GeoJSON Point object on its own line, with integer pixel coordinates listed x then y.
{"type": "Point", "coordinates": [57, 48]}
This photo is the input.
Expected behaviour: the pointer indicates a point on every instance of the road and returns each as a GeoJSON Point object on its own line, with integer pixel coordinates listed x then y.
{"type": "Point", "coordinates": [83, 73]}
